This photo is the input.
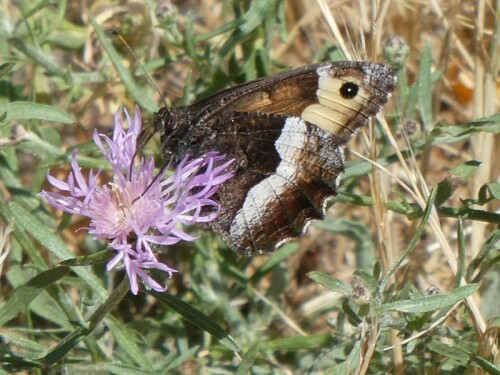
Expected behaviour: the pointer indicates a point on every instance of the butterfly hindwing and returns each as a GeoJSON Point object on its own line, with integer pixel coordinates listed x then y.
{"type": "Point", "coordinates": [301, 170]}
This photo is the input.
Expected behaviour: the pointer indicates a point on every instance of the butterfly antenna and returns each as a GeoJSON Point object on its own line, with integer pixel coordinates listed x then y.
{"type": "Point", "coordinates": [148, 132]}
{"type": "Point", "coordinates": [136, 59]}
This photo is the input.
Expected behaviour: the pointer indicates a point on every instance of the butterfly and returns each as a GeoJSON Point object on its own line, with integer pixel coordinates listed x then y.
{"type": "Point", "coordinates": [287, 134]}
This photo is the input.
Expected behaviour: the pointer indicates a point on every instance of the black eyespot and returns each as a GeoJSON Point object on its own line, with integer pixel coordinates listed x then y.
{"type": "Point", "coordinates": [349, 90]}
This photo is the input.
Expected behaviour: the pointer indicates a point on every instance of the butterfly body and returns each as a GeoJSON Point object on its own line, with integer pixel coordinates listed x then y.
{"type": "Point", "coordinates": [287, 134]}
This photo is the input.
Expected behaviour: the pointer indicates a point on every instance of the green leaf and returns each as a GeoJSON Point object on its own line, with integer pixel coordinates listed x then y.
{"type": "Point", "coordinates": [444, 134]}
{"type": "Point", "coordinates": [465, 170]}
{"type": "Point", "coordinates": [88, 260]}
{"type": "Point", "coordinates": [425, 87]}
{"type": "Point", "coordinates": [489, 191]}
{"type": "Point", "coordinates": [248, 361]}
{"type": "Point", "coordinates": [30, 348]}
{"type": "Point", "coordinates": [40, 56]}
{"type": "Point", "coordinates": [352, 316]}
{"type": "Point", "coordinates": [462, 252]}
{"type": "Point", "coordinates": [462, 355]}
{"type": "Point", "coordinates": [486, 365]}
{"type": "Point", "coordinates": [490, 124]}
{"type": "Point", "coordinates": [196, 317]}
{"type": "Point", "coordinates": [29, 291]}
{"type": "Point", "coordinates": [298, 342]}
{"type": "Point", "coordinates": [34, 111]}
{"type": "Point", "coordinates": [259, 12]}
{"type": "Point", "coordinates": [253, 19]}
{"type": "Point", "coordinates": [454, 352]}
{"type": "Point", "coordinates": [189, 39]}
{"type": "Point", "coordinates": [5, 68]}
{"type": "Point", "coordinates": [490, 245]}
{"type": "Point", "coordinates": [457, 178]}
{"type": "Point", "coordinates": [330, 283]}
{"type": "Point", "coordinates": [427, 303]}
{"type": "Point", "coordinates": [229, 26]}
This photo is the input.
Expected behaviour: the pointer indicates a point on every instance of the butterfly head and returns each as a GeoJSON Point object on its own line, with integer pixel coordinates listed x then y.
{"type": "Point", "coordinates": [164, 123]}
{"type": "Point", "coordinates": [173, 125]}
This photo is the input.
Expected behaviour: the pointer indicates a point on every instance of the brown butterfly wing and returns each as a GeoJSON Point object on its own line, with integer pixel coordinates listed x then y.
{"type": "Point", "coordinates": [287, 134]}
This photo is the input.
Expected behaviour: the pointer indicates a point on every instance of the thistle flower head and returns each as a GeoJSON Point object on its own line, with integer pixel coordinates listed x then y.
{"type": "Point", "coordinates": [139, 209]}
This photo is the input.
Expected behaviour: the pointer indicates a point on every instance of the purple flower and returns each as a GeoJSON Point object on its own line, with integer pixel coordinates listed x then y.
{"type": "Point", "coordinates": [139, 209]}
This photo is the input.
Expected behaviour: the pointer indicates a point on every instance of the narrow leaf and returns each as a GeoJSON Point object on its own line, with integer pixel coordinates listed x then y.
{"type": "Point", "coordinates": [425, 87]}
{"type": "Point", "coordinates": [329, 282]}
{"type": "Point", "coordinates": [29, 291]}
{"type": "Point", "coordinates": [428, 303]}
{"type": "Point", "coordinates": [5, 68]}
{"type": "Point", "coordinates": [89, 260]}
{"type": "Point", "coordinates": [196, 317]}
{"type": "Point", "coordinates": [248, 361]}
{"type": "Point", "coordinates": [298, 342]}
{"type": "Point", "coordinates": [35, 111]}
